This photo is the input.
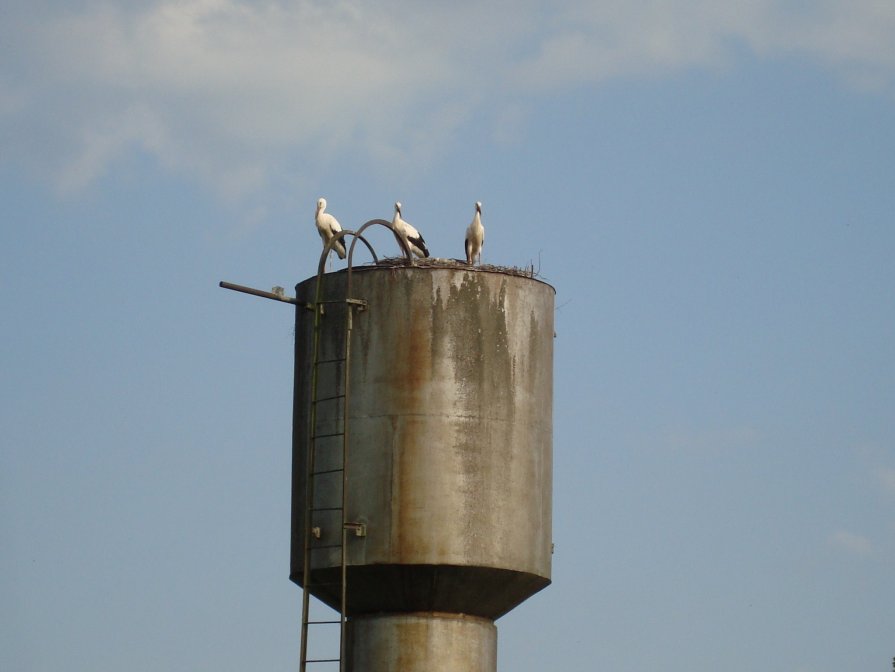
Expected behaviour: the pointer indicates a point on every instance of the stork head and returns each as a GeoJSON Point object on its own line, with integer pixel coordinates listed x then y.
{"type": "Point", "coordinates": [321, 204]}
{"type": "Point", "coordinates": [398, 207]}
{"type": "Point", "coordinates": [478, 207]}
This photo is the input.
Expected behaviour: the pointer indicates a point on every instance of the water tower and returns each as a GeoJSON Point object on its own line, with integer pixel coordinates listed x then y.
{"type": "Point", "coordinates": [422, 458]}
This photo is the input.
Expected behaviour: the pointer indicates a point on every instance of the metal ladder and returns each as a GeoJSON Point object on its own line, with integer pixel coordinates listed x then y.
{"type": "Point", "coordinates": [320, 462]}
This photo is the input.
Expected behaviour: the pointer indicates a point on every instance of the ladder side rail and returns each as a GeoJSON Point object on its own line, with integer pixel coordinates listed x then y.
{"type": "Point", "coordinates": [309, 479]}
{"type": "Point", "coordinates": [346, 389]}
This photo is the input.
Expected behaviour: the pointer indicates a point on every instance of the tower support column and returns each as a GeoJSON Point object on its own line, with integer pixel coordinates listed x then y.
{"type": "Point", "coordinates": [421, 642]}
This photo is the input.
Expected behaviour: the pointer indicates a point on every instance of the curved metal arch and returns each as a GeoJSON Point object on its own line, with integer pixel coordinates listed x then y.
{"type": "Point", "coordinates": [387, 224]}
{"type": "Point", "coordinates": [372, 222]}
{"type": "Point", "coordinates": [357, 235]}
{"type": "Point", "coordinates": [338, 236]}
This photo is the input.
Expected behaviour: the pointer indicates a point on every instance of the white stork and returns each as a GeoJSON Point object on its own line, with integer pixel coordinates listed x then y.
{"type": "Point", "coordinates": [328, 226]}
{"type": "Point", "coordinates": [475, 236]}
{"type": "Point", "coordinates": [409, 235]}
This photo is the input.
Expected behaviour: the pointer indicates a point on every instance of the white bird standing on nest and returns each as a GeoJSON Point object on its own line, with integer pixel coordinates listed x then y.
{"type": "Point", "coordinates": [475, 236]}
{"type": "Point", "coordinates": [409, 235]}
{"type": "Point", "coordinates": [328, 226]}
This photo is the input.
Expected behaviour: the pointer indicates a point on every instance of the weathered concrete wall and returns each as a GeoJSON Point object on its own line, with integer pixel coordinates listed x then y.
{"type": "Point", "coordinates": [450, 419]}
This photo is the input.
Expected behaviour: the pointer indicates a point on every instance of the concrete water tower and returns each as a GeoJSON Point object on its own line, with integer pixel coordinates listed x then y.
{"type": "Point", "coordinates": [422, 458]}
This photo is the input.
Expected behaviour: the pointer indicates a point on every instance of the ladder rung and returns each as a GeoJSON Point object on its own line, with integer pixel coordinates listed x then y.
{"type": "Point", "coordinates": [323, 660]}
{"type": "Point", "coordinates": [321, 548]}
{"type": "Point", "coordinates": [323, 622]}
{"type": "Point", "coordinates": [334, 360]}
{"type": "Point", "coordinates": [328, 436]}
{"type": "Point", "coordinates": [327, 471]}
{"type": "Point", "coordinates": [335, 396]}
{"type": "Point", "coordinates": [327, 508]}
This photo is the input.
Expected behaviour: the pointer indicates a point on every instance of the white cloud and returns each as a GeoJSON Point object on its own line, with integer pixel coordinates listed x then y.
{"type": "Point", "coordinates": [227, 91]}
{"type": "Point", "coordinates": [206, 85]}
{"type": "Point", "coordinates": [588, 42]}
{"type": "Point", "coordinates": [851, 542]}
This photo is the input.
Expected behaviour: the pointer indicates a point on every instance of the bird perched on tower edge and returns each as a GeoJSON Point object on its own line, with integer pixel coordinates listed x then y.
{"type": "Point", "coordinates": [475, 236]}
{"type": "Point", "coordinates": [328, 226]}
{"type": "Point", "coordinates": [409, 235]}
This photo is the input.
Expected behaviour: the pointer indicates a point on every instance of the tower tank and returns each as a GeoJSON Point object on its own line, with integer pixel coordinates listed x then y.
{"type": "Point", "coordinates": [448, 474]}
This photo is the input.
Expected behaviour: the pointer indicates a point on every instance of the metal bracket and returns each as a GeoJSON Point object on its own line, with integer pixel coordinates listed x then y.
{"type": "Point", "coordinates": [359, 303]}
{"type": "Point", "coordinates": [360, 529]}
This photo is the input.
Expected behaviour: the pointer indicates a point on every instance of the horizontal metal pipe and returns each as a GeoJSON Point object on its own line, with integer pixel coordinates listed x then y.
{"type": "Point", "coordinates": [261, 293]}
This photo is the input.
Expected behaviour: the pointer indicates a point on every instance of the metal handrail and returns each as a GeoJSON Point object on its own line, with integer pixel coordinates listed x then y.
{"type": "Point", "coordinates": [350, 304]}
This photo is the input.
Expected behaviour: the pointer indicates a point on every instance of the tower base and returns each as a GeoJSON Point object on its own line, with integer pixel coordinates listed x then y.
{"type": "Point", "coordinates": [421, 642]}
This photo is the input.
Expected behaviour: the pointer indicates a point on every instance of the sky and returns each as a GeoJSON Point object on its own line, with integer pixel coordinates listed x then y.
{"type": "Point", "coordinates": [710, 188]}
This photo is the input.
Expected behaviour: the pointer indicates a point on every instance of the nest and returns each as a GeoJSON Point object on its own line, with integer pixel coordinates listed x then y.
{"type": "Point", "coordinates": [436, 262]}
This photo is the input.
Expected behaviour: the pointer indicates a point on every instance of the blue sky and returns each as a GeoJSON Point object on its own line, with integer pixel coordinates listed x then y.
{"type": "Point", "coordinates": [710, 187]}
